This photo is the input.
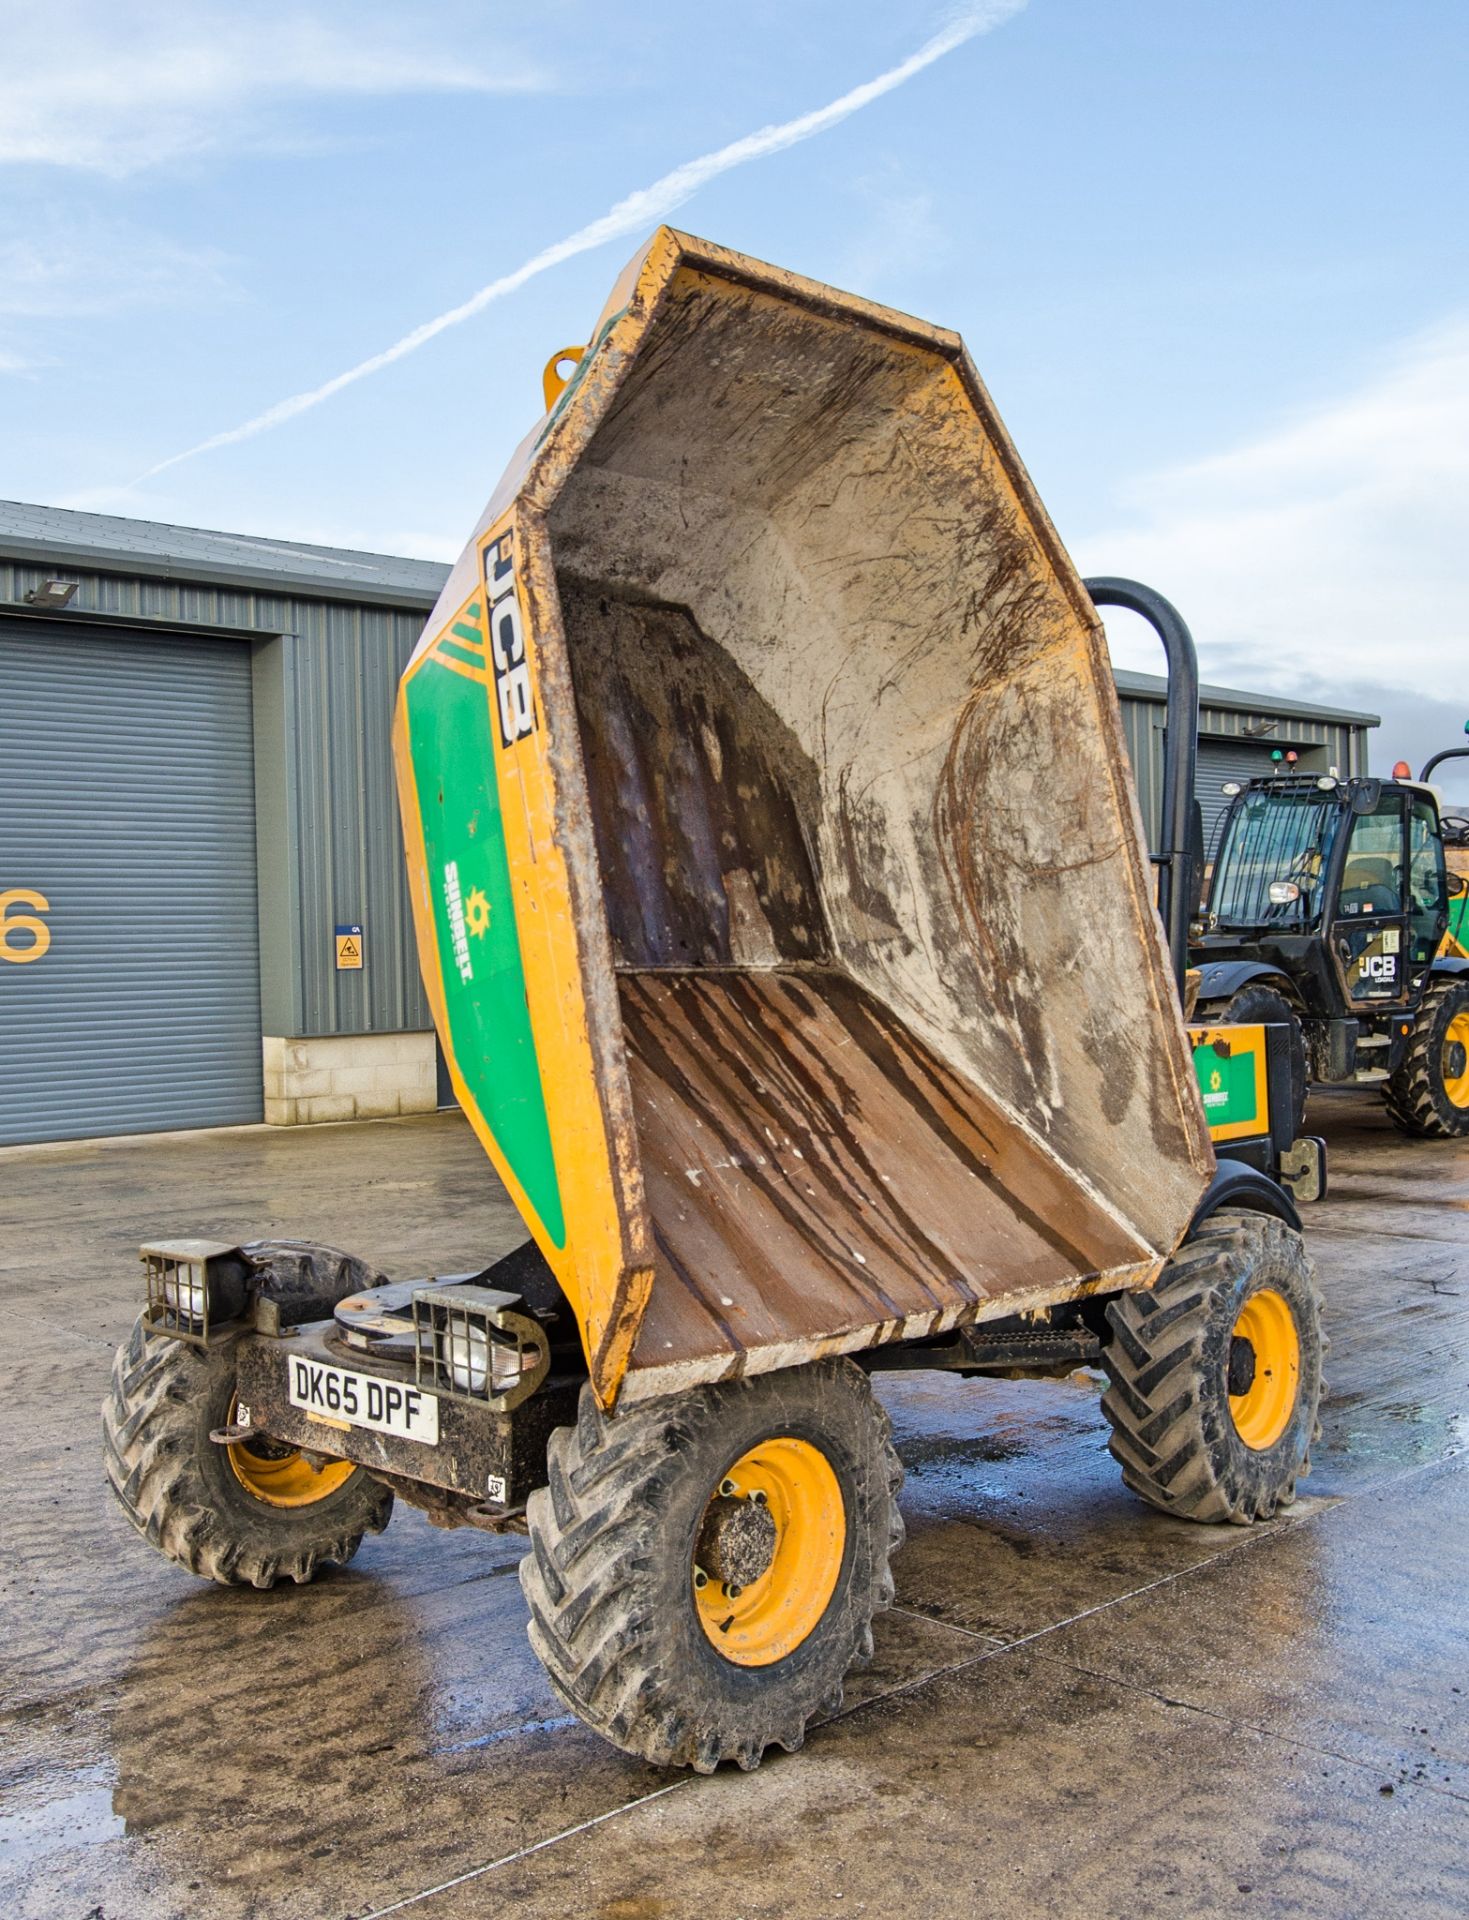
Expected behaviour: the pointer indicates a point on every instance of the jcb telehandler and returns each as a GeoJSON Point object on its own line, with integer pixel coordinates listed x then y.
{"type": "Point", "coordinates": [758, 755]}
{"type": "Point", "coordinates": [1332, 909]}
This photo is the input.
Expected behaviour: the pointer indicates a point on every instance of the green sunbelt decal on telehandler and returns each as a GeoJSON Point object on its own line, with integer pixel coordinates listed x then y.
{"type": "Point", "coordinates": [1227, 1083]}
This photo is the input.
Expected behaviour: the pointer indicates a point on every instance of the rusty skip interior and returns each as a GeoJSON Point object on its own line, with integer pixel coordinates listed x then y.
{"type": "Point", "coordinates": [898, 1033]}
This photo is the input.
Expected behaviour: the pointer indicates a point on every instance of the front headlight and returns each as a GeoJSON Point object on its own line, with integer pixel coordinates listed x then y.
{"type": "Point", "coordinates": [186, 1291]}
{"type": "Point", "coordinates": [473, 1358]}
{"type": "Point", "coordinates": [469, 1340]}
{"type": "Point", "coordinates": [193, 1285]}
{"type": "Point", "coordinates": [1282, 892]}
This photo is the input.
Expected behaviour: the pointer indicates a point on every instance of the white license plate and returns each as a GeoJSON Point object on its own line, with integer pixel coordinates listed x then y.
{"type": "Point", "coordinates": [338, 1398]}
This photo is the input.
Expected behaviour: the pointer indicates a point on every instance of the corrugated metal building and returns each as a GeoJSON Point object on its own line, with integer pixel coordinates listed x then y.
{"type": "Point", "coordinates": [195, 794]}
{"type": "Point", "coordinates": [203, 914]}
{"type": "Point", "coordinates": [1238, 732]}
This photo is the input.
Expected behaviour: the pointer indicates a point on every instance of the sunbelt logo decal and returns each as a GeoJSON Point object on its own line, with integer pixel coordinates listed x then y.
{"type": "Point", "coordinates": [513, 699]}
{"type": "Point", "coordinates": [469, 916]}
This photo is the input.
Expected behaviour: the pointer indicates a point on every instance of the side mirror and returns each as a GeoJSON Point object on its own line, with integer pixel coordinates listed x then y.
{"type": "Point", "coordinates": [1458, 886]}
{"type": "Point", "coordinates": [1365, 795]}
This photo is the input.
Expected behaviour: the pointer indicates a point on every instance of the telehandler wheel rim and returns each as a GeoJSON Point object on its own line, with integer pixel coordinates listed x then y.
{"type": "Point", "coordinates": [283, 1476]}
{"type": "Point", "coordinates": [1263, 1411]}
{"type": "Point", "coordinates": [1456, 1036]}
{"type": "Point", "coordinates": [756, 1624]}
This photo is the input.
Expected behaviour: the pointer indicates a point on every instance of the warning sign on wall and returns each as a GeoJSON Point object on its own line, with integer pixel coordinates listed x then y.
{"type": "Point", "coordinates": [349, 949]}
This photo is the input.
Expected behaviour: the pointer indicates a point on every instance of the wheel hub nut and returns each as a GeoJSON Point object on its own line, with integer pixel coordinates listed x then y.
{"type": "Point", "coordinates": [1241, 1366]}
{"type": "Point", "coordinates": [737, 1541]}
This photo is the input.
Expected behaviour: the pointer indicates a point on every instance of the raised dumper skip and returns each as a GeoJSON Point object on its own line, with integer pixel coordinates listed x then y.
{"type": "Point", "coordinates": [754, 764]}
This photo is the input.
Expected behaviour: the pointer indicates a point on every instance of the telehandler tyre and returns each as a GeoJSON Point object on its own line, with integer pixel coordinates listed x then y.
{"type": "Point", "coordinates": [1428, 1096]}
{"type": "Point", "coordinates": [1215, 1375]}
{"type": "Point", "coordinates": [705, 1568]}
{"type": "Point", "coordinates": [1256, 1004]}
{"type": "Point", "coordinates": [246, 1514]}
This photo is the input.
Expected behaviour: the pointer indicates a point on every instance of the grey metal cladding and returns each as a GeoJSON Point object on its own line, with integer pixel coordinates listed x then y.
{"type": "Point", "coordinates": [127, 801]}
{"type": "Point", "coordinates": [337, 857]}
{"type": "Point", "coordinates": [1246, 706]}
{"type": "Point", "coordinates": [1340, 742]}
{"type": "Point", "coordinates": [66, 541]}
{"type": "Point", "coordinates": [1222, 760]}
{"type": "Point", "coordinates": [343, 677]}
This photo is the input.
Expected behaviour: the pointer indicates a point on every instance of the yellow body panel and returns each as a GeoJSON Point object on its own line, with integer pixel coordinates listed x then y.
{"type": "Point", "coordinates": [1231, 1064]}
{"type": "Point", "coordinates": [591, 1248]}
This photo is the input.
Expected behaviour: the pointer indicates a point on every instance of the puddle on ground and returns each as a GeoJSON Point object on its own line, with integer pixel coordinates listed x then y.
{"type": "Point", "coordinates": [83, 1818]}
{"type": "Point", "coordinates": [553, 1725]}
{"type": "Point", "coordinates": [945, 1453]}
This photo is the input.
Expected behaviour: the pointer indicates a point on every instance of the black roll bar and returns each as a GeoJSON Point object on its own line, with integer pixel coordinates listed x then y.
{"type": "Point", "coordinates": [1181, 753]}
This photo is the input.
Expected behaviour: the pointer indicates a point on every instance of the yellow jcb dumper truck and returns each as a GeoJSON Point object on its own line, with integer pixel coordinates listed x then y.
{"type": "Point", "coordinates": [758, 758]}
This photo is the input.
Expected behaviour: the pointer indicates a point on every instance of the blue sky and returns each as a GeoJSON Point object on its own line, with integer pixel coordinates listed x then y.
{"type": "Point", "coordinates": [1208, 257]}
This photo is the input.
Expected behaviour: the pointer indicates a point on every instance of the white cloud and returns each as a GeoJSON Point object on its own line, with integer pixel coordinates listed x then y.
{"type": "Point", "coordinates": [116, 86]}
{"type": "Point", "coordinates": [60, 267]}
{"type": "Point", "coordinates": [635, 213]}
{"type": "Point", "coordinates": [1325, 553]}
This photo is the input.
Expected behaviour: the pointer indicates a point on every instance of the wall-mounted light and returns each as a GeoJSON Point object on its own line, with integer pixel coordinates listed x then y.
{"type": "Point", "coordinates": [52, 593]}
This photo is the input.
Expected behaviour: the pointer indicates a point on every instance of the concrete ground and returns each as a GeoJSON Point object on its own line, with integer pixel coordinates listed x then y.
{"type": "Point", "coordinates": [1078, 1707]}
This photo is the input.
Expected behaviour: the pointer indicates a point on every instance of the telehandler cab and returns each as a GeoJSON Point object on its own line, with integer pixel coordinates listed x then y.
{"type": "Point", "coordinates": [754, 764]}
{"type": "Point", "coordinates": [1332, 910]}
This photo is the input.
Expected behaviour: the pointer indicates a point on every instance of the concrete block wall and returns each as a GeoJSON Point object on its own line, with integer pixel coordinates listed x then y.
{"type": "Point", "coordinates": [348, 1076]}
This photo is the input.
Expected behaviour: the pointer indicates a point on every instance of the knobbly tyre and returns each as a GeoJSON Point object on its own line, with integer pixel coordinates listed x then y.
{"type": "Point", "coordinates": [754, 764]}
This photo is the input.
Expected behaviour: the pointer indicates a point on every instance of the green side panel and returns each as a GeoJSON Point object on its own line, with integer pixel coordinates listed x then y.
{"type": "Point", "coordinates": [483, 977]}
{"type": "Point", "coordinates": [1459, 922]}
{"type": "Point", "coordinates": [1227, 1083]}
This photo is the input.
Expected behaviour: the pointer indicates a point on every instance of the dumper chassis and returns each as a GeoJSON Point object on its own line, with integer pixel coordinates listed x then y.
{"type": "Point", "coordinates": [689, 1594]}
{"type": "Point", "coordinates": [759, 754]}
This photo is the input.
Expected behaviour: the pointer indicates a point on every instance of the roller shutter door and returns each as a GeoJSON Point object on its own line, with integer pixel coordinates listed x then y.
{"type": "Point", "coordinates": [1221, 760]}
{"type": "Point", "coordinates": [127, 804]}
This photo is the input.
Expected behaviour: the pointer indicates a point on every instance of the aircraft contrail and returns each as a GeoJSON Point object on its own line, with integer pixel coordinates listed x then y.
{"type": "Point", "coordinates": [639, 210]}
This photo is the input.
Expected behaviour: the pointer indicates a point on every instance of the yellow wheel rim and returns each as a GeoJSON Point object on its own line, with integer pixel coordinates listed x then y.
{"type": "Point", "coordinates": [755, 1625]}
{"type": "Point", "coordinates": [288, 1479]}
{"type": "Point", "coordinates": [1456, 1085]}
{"type": "Point", "coordinates": [1262, 1412]}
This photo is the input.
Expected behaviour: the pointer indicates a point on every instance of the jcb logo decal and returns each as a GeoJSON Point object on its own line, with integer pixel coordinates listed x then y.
{"type": "Point", "coordinates": [20, 952]}
{"type": "Point", "coordinates": [513, 696]}
{"type": "Point", "coordinates": [1379, 966]}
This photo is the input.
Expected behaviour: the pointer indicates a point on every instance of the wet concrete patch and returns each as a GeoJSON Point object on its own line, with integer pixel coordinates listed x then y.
{"type": "Point", "coordinates": [1016, 1515]}
{"type": "Point", "coordinates": [1310, 1639]}
{"type": "Point", "coordinates": [1011, 1787]}
{"type": "Point", "coordinates": [76, 1812]}
{"type": "Point", "coordinates": [1202, 1712]}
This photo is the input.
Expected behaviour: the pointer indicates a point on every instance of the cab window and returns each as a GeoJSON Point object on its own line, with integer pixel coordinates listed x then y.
{"type": "Point", "coordinates": [1372, 876]}
{"type": "Point", "coordinates": [1273, 834]}
{"type": "Point", "coordinates": [1428, 890]}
